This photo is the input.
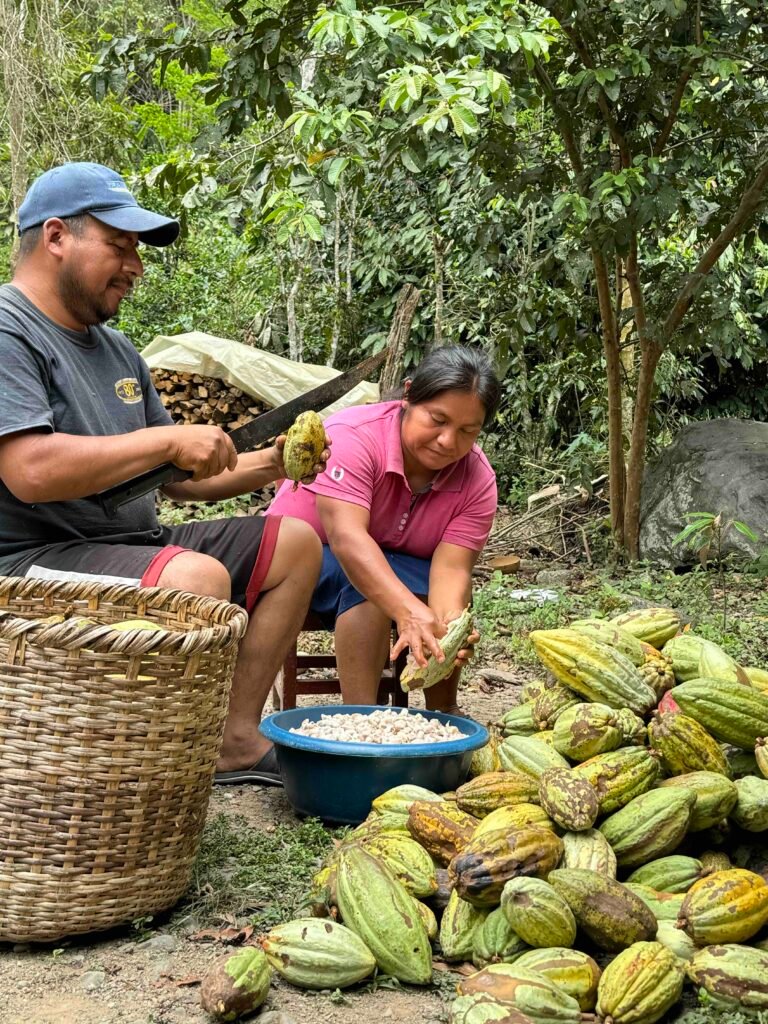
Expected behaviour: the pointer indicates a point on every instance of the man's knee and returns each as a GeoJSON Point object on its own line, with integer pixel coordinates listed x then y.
{"type": "Point", "coordinates": [300, 540]}
{"type": "Point", "coordinates": [198, 574]}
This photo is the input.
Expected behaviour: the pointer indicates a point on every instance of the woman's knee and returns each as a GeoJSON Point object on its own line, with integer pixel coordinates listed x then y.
{"type": "Point", "coordinates": [198, 574]}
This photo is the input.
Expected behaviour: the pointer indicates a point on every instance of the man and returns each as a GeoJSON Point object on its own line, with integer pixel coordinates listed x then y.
{"type": "Point", "coordinates": [78, 413]}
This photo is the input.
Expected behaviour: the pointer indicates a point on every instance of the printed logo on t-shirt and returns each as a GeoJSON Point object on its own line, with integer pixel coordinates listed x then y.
{"type": "Point", "coordinates": [337, 474]}
{"type": "Point", "coordinates": [128, 390]}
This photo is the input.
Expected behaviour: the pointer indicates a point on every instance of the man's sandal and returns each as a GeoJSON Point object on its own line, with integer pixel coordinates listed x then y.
{"type": "Point", "coordinates": [265, 772]}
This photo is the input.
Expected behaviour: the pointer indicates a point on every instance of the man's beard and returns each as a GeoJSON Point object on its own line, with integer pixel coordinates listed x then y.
{"type": "Point", "coordinates": [86, 308]}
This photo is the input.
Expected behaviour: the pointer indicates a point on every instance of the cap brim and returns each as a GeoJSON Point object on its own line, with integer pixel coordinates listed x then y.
{"type": "Point", "coordinates": [152, 228]}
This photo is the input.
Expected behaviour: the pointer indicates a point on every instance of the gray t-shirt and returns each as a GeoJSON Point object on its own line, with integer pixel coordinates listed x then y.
{"type": "Point", "coordinates": [93, 383]}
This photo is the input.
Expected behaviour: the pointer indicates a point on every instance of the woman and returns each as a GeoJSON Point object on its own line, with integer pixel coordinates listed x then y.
{"type": "Point", "coordinates": [403, 511]}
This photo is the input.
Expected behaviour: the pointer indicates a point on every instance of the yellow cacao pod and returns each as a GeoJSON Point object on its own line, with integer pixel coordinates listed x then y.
{"type": "Point", "coordinates": [727, 906]}
{"type": "Point", "coordinates": [640, 985]}
{"type": "Point", "coordinates": [304, 444]}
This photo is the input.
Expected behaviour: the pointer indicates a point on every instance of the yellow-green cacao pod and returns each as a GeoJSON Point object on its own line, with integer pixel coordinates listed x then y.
{"type": "Point", "coordinates": [714, 663]}
{"type": "Point", "coordinates": [569, 799]}
{"type": "Point", "coordinates": [571, 970]}
{"type": "Point", "coordinates": [669, 935]}
{"type": "Point", "coordinates": [441, 829]}
{"type": "Point", "coordinates": [525, 755]}
{"type": "Point", "coordinates": [428, 919]}
{"type": "Point", "coordinates": [758, 677]}
{"type": "Point", "coordinates": [751, 809]}
{"type": "Point", "coordinates": [586, 730]}
{"type": "Point", "coordinates": [685, 746]}
{"type": "Point", "coordinates": [620, 776]}
{"type": "Point", "coordinates": [313, 953]}
{"type": "Point", "coordinates": [593, 669]}
{"type": "Point", "coordinates": [304, 444]}
{"type": "Point", "coordinates": [409, 862]}
{"type": "Point", "coordinates": [459, 926]}
{"type": "Point", "coordinates": [640, 985]}
{"type": "Point", "coordinates": [590, 851]}
{"type": "Point", "coordinates": [550, 705]}
{"type": "Point", "coordinates": [715, 860]}
{"type": "Point", "coordinates": [379, 909]}
{"type": "Point", "coordinates": [482, 1008]}
{"type": "Point", "coordinates": [670, 874]}
{"type": "Point", "coordinates": [632, 728]}
{"type": "Point", "coordinates": [518, 721]}
{"type": "Point", "coordinates": [496, 941]}
{"type": "Point", "coordinates": [607, 633]}
{"type": "Point", "coordinates": [665, 906]}
{"type": "Point", "coordinates": [731, 712]}
{"type": "Point", "coordinates": [606, 911]}
{"type": "Point", "coordinates": [484, 794]}
{"type": "Point", "coordinates": [519, 816]}
{"type": "Point", "coordinates": [727, 906]}
{"type": "Point", "coordinates": [650, 826]}
{"type": "Point", "coordinates": [715, 797]}
{"type": "Point", "coordinates": [537, 913]}
{"type": "Point", "coordinates": [761, 756]}
{"type": "Point", "coordinates": [545, 736]}
{"type": "Point", "coordinates": [486, 758]}
{"type": "Point", "coordinates": [684, 652]}
{"type": "Point", "coordinates": [531, 993]}
{"type": "Point", "coordinates": [731, 977]}
{"type": "Point", "coordinates": [397, 801]}
{"type": "Point", "coordinates": [236, 984]}
{"type": "Point", "coordinates": [655, 626]}
{"type": "Point", "coordinates": [534, 688]}
{"type": "Point", "coordinates": [421, 677]}
{"type": "Point", "coordinates": [482, 869]}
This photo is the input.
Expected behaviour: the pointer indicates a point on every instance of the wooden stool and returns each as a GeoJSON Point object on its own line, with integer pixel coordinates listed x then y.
{"type": "Point", "coordinates": [292, 680]}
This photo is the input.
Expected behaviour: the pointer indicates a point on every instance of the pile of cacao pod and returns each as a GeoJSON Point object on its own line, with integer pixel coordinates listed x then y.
{"type": "Point", "coordinates": [597, 859]}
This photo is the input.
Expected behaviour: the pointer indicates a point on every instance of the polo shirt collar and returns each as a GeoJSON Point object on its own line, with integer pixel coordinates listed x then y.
{"type": "Point", "coordinates": [449, 479]}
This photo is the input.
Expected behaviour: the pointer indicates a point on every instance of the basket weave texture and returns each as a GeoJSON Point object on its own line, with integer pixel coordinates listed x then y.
{"type": "Point", "coordinates": [108, 745]}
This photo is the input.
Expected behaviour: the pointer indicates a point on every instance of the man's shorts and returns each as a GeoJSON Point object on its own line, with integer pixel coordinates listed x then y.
{"type": "Point", "coordinates": [334, 594]}
{"type": "Point", "coordinates": [244, 545]}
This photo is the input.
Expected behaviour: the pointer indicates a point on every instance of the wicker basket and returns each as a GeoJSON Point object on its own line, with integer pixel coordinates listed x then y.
{"type": "Point", "coordinates": [108, 744]}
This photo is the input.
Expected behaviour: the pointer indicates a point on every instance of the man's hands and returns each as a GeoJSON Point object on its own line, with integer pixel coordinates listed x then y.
{"type": "Point", "coordinates": [204, 451]}
{"type": "Point", "coordinates": [318, 468]}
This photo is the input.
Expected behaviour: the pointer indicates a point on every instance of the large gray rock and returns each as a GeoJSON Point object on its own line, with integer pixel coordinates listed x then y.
{"type": "Point", "coordinates": [711, 466]}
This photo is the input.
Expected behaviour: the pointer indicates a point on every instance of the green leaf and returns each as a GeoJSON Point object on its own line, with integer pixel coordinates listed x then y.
{"type": "Point", "coordinates": [336, 168]}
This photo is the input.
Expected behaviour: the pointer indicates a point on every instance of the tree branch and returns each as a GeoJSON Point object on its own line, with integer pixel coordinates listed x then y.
{"type": "Point", "coordinates": [674, 110]}
{"type": "Point", "coordinates": [564, 123]}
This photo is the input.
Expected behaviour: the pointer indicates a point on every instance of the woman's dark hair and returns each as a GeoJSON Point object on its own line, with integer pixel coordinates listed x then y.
{"type": "Point", "coordinates": [456, 368]}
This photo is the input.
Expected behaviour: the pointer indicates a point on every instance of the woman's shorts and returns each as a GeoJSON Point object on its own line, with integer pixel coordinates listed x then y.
{"type": "Point", "coordinates": [334, 594]}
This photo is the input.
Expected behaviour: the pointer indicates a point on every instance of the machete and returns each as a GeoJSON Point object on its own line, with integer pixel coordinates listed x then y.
{"type": "Point", "coordinates": [264, 427]}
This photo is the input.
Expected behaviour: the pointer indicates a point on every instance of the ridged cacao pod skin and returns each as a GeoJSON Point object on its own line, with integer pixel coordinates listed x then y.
{"type": "Point", "coordinates": [518, 721]}
{"type": "Point", "coordinates": [758, 677]}
{"type": "Point", "coordinates": [657, 672]}
{"type": "Point", "coordinates": [685, 746]}
{"type": "Point", "coordinates": [632, 726]}
{"type": "Point", "coordinates": [714, 663]}
{"type": "Point", "coordinates": [482, 1008]}
{"type": "Point", "coordinates": [550, 705]}
{"type": "Point", "coordinates": [620, 776]}
{"type": "Point", "coordinates": [442, 829]}
{"type": "Point", "coordinates": [685, 651]}
{"type": "Point", "coordinates": [731, 712]}
{"type": "Point", "coordinates": [482, 869]}
{"type": "Point", "coordinates": [236, 984]}
{"type": "Point", "coordinates": [531, 993]}
{"type": "Point", "coordinates": [378, 909]}
{"type": "Point", "coordinates": [459, 926]}
{"type": "Point", "coordinates": [525, 755]}
{"type": "Point", "coordinates": [312, 953]}
{"type": "Point", "coordinates": [670, 874]}
{"type": "Point", "coordinates": [589, 851]}
{"type": "Point", "coordinates": [715, 797]}
{"type": "Point", "coordinates": [570, 800]}
{"type": "Point", "coordinates": [727, 906]}
{"type": "Point", "coordinates": [509, 818]}
{"type": "Point", "coordinates": [607, 633]}
{"type": "Point", "coordinates": [606, 911]}
{"type": "Point", "coordinates": [761, 756]}
{"type": "Point", "coordinates": [665, 906]}
{"type": "Point", "coordinates": [586, 730]}
{"type": "Point", "coordinates": [304, 444]}
{"type": "Point", "coordinates": [418, 677]}
{"type": "Point", "coordinates": [429, 920]}
{"type": "Point", "coordinates": [669, 935]}
{"type": "Point", "coordinates": [640, 985]}
{"type": "Point", "coordinates": [534, 688]}
{"type": "Point", "coordinates": [732, 976]}
{"type": "Point", "coordinates": [486, 793]}
{"type": "Point", "coordinates": [715, 860]}
{"type": "Point", "coordinates": [486, 759]}
{"type": "Point", "coordinates": [408, 861]}
{"type": "Point", "coordinates": [655, 626]}
{"type": "Point", "coordinates": [593, 669]}
{"type": "Point", "coordinates": [571, 970]}
{"type": "Point", "coordinates": [496, 941]}
{"type": "Point", "coordinates": [751, 809]}
{"type": "Point", "coordinates": [538, 914]}
{"type": "Point", "coordinates": [398, 801]}
{"type": "Point", "coordinates": [650, 826]}
{"type": "Point", "coordinates": [545, 736]}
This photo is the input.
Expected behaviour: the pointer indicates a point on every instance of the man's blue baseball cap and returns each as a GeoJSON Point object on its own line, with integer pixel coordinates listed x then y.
{"type": "Point", "coordinates": [76, 188]}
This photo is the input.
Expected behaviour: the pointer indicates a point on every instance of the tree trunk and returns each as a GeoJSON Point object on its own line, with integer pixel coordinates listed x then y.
{"type": "Point", "coordinates": [399, 332]}
{"type": "Point", "coordinates": [649, 360]}
{"type": "Point", "coordinates": [337, 299]}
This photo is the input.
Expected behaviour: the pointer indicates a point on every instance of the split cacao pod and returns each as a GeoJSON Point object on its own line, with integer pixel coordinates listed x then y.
{"type": "Point", "coordinates": [415, 676]}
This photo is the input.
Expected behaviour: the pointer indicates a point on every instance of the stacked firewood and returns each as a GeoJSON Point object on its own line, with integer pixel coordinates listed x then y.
{"type": "Point", "coordinates": [193, 398]}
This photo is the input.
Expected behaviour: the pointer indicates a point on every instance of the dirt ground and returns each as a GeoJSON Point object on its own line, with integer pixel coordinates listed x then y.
{"type": "Point", "coordinates": [120, 980]}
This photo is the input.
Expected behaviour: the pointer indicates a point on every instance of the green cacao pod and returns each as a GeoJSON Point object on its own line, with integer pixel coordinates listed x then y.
{"type": "Point", "coordinates": [482, 1008]}
{"type": "Point", "coordinates": [590, 851]}
{"type": "Point", "coordinates": [715, 860]}
{"type": "Point", "coordinates": [496, 941]}
{"type": "Point", "coordinates": [571, 970]}
{"type": "Point", "coordinates": [732, 977]}
{"type": "Point", "coordinates": [236, 984]}
{"type": "Point", "coordinates": [758, 677]}
{"type": "Point", "coordinates": [607, 633]}
{"type": "Point", "coordinates": [312, 953]}
{"type": "Point", "coordinates": [586, 730]}
{"type": "Point", "coordinates": [519, 816]}
{"type": "Point", "coordinates": [534, 688]}
{"type": "Point", "coordinates": [640, 985]}
{"type": "Point", "coordinates": [531, 993]}
{"type": "Point", "coordinates": [518, 721]}
{"type": "Point", "coordinates": [593, 669]}
{"type": "Point", "coordinates": [684, 651]}
{"type": "Point", "coordinates": [732, 712]}
{"type": "Point", "coordinates": [409, 862]}
{"type": "Point", "coordinates": [751, 809]}
{"type": "Point", "coordinates": [397, 801]}
{"type": "Point", "coordinates": [428, 919]}
{"type": "Point", "coordinates": [670, 874]}
{"type": "Point", "coordinates": [550, 705]}
{"type": "Point", "coordinates": [304, 444]}
{"type": "Point", "coordinates": [488, 862]}
{"type": "Point", "coordinates": [685, 746]}
{"type": "Point", "coordinates": [669, 935]}
{"type": "Point", "coordinates": [655, 626]}
{"type": "Point", "coordinates": [632, 728]}
{"type": "Point", "coordinates": [569, 799]}
{"type": "Point", "coordinates": [761, 756]}
{"type": "Point", "coordinates": [714, 663]}
{"type": "Point", "coordinates": [650, 826]}
{"type": "Point", "coordinates": [740, 762]}
{"type": "Point", "coordinates": [525, 755]}
{"type": "Point", "coordinates": [379, 909]}
{"type": "Point", "coordinates": [459, 926]}
{"type": "Point", "coordinates": [620, 776]}
{"type": "Point", "coordinates": [486, 793]}
{"type": "Point", "coordinates": [538, 914]}
{"type": "Point", "coordinates": [715, 797]}
{"type": "Point", "coordinates": [727, 906]}
{"type": "Point", "coordinates": [665, 906]}
{"type": "Point", "coordinates": [441, 829]}
{"type": "Point", "coordinates": [606, 911]}
{"type": "Point", "coordinates": [486, 758]}
{"type": "Point", "coordinates": [421, 677]}
{"type": "Point", "coordinates": [545, 736]}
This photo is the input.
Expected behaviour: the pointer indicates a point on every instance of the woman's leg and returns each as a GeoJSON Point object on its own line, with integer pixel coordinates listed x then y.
{"type": "Point", "coordinates": [362, 638]}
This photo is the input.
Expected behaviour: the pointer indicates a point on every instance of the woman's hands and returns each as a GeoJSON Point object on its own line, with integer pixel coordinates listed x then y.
{"type": "Point", "coordinates": [419, 629]}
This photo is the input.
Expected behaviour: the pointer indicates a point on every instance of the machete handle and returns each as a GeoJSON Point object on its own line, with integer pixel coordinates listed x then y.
{"type": "Point", "coordinates": [111, 499]}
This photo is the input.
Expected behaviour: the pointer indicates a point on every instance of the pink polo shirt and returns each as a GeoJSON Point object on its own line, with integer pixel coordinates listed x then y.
{"type": "Point", "coordinates": [366, 468]}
